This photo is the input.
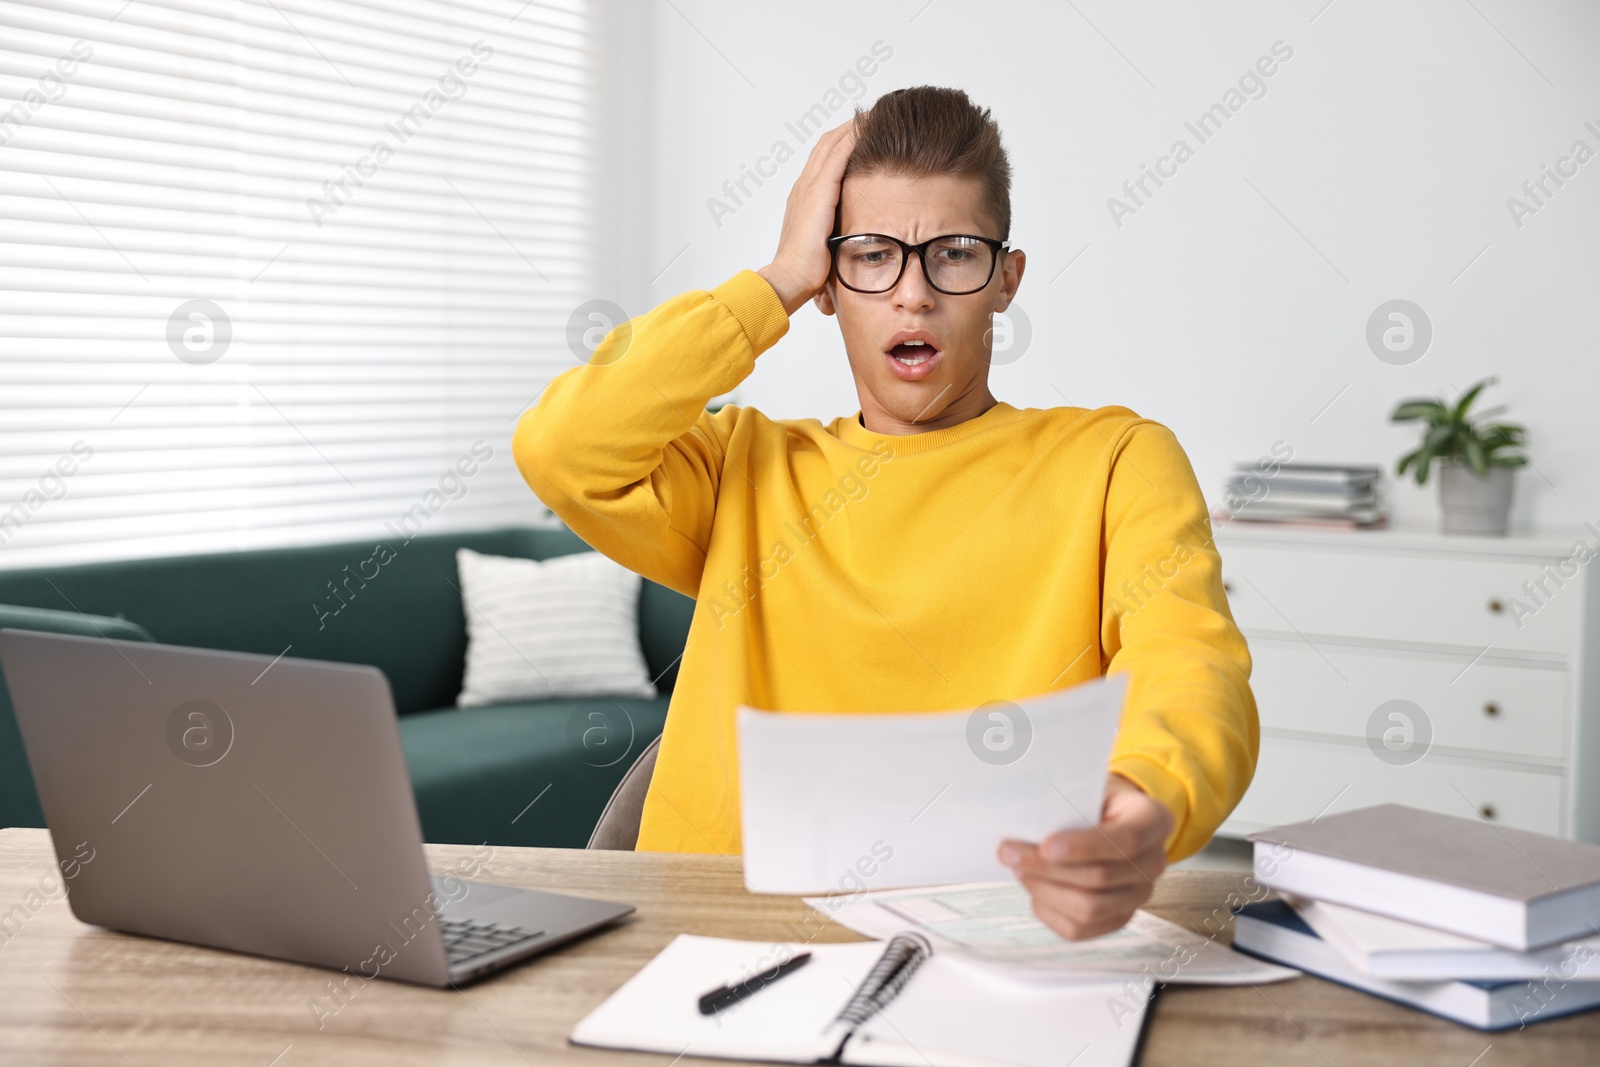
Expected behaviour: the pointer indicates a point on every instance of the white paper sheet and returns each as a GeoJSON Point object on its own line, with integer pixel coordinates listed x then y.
{"type": "Point", "coordinates": [657, 1010]}
{"type": "Point", "coordinates": [944, 1016]}
{"type": "Point", "coordinates": [993, 926]}
{"type": "Point", "coordinates": [845, 801]}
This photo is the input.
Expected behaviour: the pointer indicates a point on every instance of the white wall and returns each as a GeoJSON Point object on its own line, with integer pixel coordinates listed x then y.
{"type": "Point", "coordinates": [1389, 143]}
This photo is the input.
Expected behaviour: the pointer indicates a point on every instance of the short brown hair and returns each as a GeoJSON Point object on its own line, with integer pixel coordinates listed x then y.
{"type": "Point", "coordinates": [928, 130]}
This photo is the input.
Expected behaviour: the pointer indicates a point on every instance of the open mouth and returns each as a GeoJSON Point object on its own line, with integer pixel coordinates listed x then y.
{"type": "Point", "coordinates": [913, 353]}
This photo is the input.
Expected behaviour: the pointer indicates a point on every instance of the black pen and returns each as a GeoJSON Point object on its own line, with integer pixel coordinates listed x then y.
{"type": "Point", "coordinates": [724, 996]}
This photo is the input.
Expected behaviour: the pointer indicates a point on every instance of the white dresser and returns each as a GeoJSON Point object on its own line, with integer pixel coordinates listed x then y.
{"type": "Point", "coordinates": [1402, 665]}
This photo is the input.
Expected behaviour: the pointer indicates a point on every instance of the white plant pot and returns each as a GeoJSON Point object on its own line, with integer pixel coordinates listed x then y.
{"type": "Point", "coordinates": [1470, 504]}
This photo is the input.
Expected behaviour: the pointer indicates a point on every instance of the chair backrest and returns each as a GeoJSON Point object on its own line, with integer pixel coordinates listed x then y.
{"type": "Point", "coordinates": [618, 827]}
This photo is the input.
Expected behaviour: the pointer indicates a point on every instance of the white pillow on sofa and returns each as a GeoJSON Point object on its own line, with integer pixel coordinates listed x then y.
{"type": "Point", "coordinates": [561, 627]}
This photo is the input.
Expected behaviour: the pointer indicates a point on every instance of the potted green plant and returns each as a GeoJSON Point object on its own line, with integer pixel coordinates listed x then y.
{"type": "Point", "coordinates": [1476, 460]}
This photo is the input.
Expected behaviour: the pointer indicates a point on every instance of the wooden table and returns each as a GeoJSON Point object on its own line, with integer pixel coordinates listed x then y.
{"type": "Point", "coordinates": [76, 994]}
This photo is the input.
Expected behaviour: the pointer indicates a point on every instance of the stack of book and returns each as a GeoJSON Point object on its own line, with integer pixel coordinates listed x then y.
{"type": "Point", "coordinates": [1314, 494]}
{"type": "Point", "coordinates": [1486, 925]}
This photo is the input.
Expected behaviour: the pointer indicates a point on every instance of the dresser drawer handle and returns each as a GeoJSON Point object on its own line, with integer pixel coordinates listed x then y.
{"type": "Point", "coordinates": [1487, 811]}
{"type": "Point", "coordinates": [1491, 709]}
{"type": "Point", "coordinates": [1496, 606]}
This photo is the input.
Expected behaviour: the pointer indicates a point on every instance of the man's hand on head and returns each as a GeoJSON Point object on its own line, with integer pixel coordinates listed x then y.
{"type": "Point", "coordinates": [1089, 882]}
{"type": "Point", "coordinates": [800, 267]}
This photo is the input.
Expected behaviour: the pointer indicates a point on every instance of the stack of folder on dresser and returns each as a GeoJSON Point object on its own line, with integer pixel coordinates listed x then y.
{"type": "Point", "coordinates": [1305, 494]}
{"type": "Point", "coordinates": [1490, 926]}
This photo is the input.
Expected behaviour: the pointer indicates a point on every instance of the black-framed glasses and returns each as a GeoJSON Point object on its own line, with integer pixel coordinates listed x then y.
{"type": "Point", "coordinates": [955, 264]}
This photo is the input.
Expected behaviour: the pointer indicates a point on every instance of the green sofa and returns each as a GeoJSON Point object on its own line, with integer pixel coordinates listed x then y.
{"type": "Point", "coordinates": [536, 773]}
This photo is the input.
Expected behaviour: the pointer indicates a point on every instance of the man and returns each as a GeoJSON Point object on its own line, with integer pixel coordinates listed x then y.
{"type": "Point", "coordinates": [935, 550]}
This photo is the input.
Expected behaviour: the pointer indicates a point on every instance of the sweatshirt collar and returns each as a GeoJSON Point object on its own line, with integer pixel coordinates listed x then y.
{"type": "Point", "coordinates": [848, 429]}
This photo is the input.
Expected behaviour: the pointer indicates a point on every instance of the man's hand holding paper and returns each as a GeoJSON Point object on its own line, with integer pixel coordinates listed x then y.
{"type": "Point", "coordinates": [1088, 882]}
{"type": "Point", "coordinates": [850, 802]}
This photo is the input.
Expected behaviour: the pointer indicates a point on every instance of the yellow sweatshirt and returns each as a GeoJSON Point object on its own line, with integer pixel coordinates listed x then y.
{"type": "Point", "coordinates": [840, 570]}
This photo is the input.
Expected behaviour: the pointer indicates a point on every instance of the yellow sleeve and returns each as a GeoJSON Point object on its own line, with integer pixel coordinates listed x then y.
{"type": "Point", "coordinates": [1189, 735]}
{"type": "Point", "coordinates": [622, 448]}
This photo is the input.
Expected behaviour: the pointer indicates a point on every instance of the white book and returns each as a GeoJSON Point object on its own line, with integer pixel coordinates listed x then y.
{"type": "Point", "coordinates": [1513, 888]}
{"type": "Point", "coordinates": [1393, 948]}
{"type": "Point", "coordinates": [1274, 931]}
{"type": "Point", "coordinates": [867, 1003]}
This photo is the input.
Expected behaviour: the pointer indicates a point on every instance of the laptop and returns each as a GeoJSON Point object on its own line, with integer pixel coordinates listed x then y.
{"type": "Point", "coordinates": [258, 805]}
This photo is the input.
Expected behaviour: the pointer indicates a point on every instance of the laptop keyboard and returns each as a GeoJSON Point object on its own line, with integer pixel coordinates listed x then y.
{"type": "Point", "coordinates": [466, 940]}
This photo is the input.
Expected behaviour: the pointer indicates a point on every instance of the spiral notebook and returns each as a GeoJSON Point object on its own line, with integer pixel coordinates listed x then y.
{"type": "Point", "coordinates": [870, 1003]}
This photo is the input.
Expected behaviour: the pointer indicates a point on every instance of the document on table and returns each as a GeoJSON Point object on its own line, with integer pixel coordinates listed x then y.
{"type": "Point", "coordinates": [847, 801]}
{"type": "Point", "coordinates": [993, 925]}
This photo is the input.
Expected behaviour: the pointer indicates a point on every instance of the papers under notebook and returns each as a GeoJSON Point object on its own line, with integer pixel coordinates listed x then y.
{"type": "Point", "coordinates": [993, 925]}
{"type": "Point", "coordinates": [872, 1004]}
{"type": "Point", "coordinates": [851, 801]}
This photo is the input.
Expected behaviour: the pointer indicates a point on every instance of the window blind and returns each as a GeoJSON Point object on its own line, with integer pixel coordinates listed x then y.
{"type": "Point", "coordinates": [282, 272]}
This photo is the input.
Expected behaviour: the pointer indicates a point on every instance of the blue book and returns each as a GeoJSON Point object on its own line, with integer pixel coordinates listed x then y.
{"type": "Point", "coordinates": [1271, 930]}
